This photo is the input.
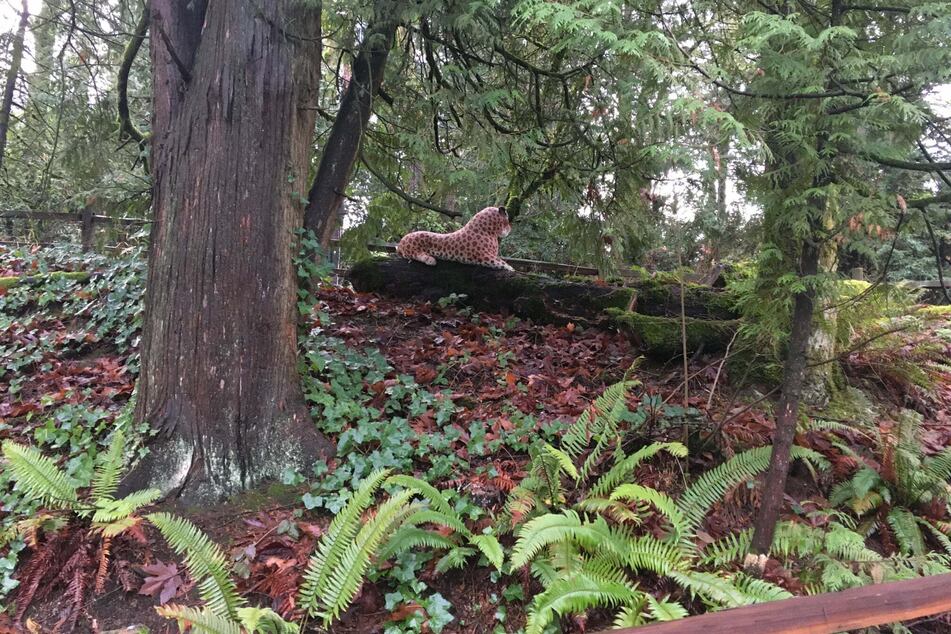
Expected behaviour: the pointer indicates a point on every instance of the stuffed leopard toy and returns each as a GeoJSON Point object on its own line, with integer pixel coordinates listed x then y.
{"type": "Point", "coordinates": [476, 243]}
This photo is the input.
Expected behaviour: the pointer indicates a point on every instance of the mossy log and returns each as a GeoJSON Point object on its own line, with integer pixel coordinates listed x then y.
{"type": "Point", "coordinates": [649, 311]}
{"type": "Point", "coordinates": [10, 282]}
{"type": "Point", "coordinates": [663, 336]}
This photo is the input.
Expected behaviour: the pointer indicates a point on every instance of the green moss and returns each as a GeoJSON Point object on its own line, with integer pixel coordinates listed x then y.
{"type": "Point", "coordinates": [10, 282]}
{"type": "Point", "coordinates": [662, 335]}
{"type": "Point", "coordinates": [935, 311]}
{"type": "Point", "coordinates": [851, 404]}
{"type": "Point", "coordinates": [265, 496]}
{"type": "Point", "coordinates": [640, 272]}
{"type": "Point", "coordinates": [367, 271]}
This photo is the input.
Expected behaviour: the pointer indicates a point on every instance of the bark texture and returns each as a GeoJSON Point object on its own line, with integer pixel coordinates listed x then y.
{"type": "Point", "coordinates": [235, 88]}
{"type": "Point", "coordinates": [326, 195]}
{"type": "Point", "coordinates": [794, 372]}
{"type": "Point", "coordinates": [16, 59]}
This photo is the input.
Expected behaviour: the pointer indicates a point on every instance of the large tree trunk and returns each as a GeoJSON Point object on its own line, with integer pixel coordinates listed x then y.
{"type": "Point", "coordinates": [342, 148]}
{"type": "Point", "coordinates": [234, 99]}
{"type": "Point", "coordinates": [16, 59]}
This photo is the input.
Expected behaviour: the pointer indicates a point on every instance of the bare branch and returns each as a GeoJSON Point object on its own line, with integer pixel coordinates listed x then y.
{"type": "Point", "coordinates": [396, 189]}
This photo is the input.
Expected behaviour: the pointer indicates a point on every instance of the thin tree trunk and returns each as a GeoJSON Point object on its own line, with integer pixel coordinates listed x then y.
{"type": "Point", "coordinates": [794, 373]}
{"type": "Point", "coordinates": [342, 148]}
{"type": "Point", "coordinates": [235, 87]}
{"type": "Point", "coordinates": [16, 59]}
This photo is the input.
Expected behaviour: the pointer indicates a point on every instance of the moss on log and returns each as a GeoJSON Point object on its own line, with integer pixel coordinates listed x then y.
{"type": "Point", "coordinates": [662, 336]}
{"type": "Point", "coordinates": [10, 282]}
{"type": "Point", "coordinates": [648, 311]}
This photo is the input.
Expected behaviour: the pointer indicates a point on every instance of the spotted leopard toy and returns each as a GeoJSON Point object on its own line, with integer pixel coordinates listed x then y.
{"type": "Point", "coordinates": [476, 243]}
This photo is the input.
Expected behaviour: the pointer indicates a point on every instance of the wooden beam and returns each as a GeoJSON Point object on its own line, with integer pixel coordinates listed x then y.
{"type": "Point", "coordinates": [823, 613]}
{"type": "Point", "coordinates": [69, 216]}
{"type": "Point", "coordinates": [926, 284]}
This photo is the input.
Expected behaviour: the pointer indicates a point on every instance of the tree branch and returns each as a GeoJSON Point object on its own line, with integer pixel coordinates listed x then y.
{"type": "Point", "coordinates": [127, 128]}
{"type": "Point", "coordinates": [931, 166]}
{"type": "Point", "coordinates": [396, 189]}
{"type": "Point", "coordinates": [866, 7]}
{"type": "Point", "coordinates": [921, 203]}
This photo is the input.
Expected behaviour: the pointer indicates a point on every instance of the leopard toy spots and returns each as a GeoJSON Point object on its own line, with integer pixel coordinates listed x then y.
{"type": "Point", "coordinates": [476, 243]}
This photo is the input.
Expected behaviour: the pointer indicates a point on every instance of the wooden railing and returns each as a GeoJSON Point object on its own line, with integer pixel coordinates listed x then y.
{"type": "Point", "coordinates": [822, 613]}
{"type": "Point", "coordinates": [86, 218]}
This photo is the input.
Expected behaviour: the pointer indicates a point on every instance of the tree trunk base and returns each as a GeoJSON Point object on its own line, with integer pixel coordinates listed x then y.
{"type": "Point", "coordinates": [196, 471]}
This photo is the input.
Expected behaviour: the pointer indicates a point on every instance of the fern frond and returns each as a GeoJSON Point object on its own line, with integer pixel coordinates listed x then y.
{"type": "Point", "coordinates": [938, 535]}
{"type": "Point", "coordinates": [489, 546]}
{"type": "Point", "coordinates": [587, 426]}
{"type": "Point", "coordinates": [717, 590]}
{"type": "Point", "coordinates": [572, 595]}
{"type": "Point", "coordinates": [562, 459]}
{"type": "Point", "coordinates": [117, 527]}
{"type": "Point", "coordinates": [665, 610]}
{"type": "Point", "coordinates": [565, 526]}
{"type": "Point", "coordinates": [345, 578]}
{"type": "Point", "coordinates": [206, 563]}
{"type": "Point", "coordinates": [455, 558]}
{"type": "Point", "coordinates": [265, 621]}
{"type": "Point", "coordinates": [730, 549]}
{"type": "Point", "coordinates": [425, 489]}
{"type": "Point", "coordinates": [105, 478]}
{"type": "Point", "coordinates": [710, 488]}
{"type": "Point", "coordinates": [842, 542]}
{"type": "Point", "coordinates": [649, 553]}
{"type": "Point", "coordinates": [109, 510]}
{"type": "Point", "coordinates": [907, 533]}
{"type": "Point", "coordinates": [408, 537]}
{"type": "Point", "coordinates": [39, 477]}
{"type": "Point", "coordinates": [630, 616]}
{"type": "Point", "coordinates": [664, 504]}
{"type": "Point", "coordinates": [758, 590]}
{"type": "Point", "coordinates": [619, 472]}
{"type": "Point", "coordinates": [938, 466]}
{"type": "Point", "coordinates": [338, 537]}
{"type": "Point", "coordinates": [200, 621]}
{"type": "Point", "coordinates": [430, 516]}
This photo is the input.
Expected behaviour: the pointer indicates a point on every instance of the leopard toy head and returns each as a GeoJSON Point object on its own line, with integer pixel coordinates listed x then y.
{"type": "Point", "coordinates": [493, 221]}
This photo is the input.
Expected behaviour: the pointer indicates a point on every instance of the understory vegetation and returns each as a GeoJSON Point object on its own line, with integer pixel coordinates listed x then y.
{"type": "Point", "coordinates": [570, 490]}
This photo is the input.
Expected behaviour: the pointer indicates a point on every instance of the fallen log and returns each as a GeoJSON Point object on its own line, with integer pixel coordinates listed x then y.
{"type": "Point", "coordinates": [648, 311]}
{"type": "Point", "coordinates": [17, 280]}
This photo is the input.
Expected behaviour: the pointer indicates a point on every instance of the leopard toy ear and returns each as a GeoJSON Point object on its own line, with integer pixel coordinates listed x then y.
{"type": "Point", "coordinates": [503, 212]}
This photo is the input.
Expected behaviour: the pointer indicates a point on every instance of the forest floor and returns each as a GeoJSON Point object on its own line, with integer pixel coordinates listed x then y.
{"type": "Point", "coordinates": [453, 396]}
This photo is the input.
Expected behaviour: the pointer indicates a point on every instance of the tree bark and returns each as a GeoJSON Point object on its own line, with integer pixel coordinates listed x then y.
{"type": "Point", "coordinates": [16, 59]}
{"type": "Point", "coordinates": [235, 88]}
{"type": "Point", "coordinates": [343, 146]}
{"type": "Point", "coordinates": [794, 372]}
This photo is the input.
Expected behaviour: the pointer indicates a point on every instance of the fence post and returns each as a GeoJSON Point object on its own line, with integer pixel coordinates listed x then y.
{"type": "Point", "coordinates": [87, 228]}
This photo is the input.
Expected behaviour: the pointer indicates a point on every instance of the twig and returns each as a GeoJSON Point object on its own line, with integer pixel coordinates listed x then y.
{"type": "Point", "coordinates": [716, 378]}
